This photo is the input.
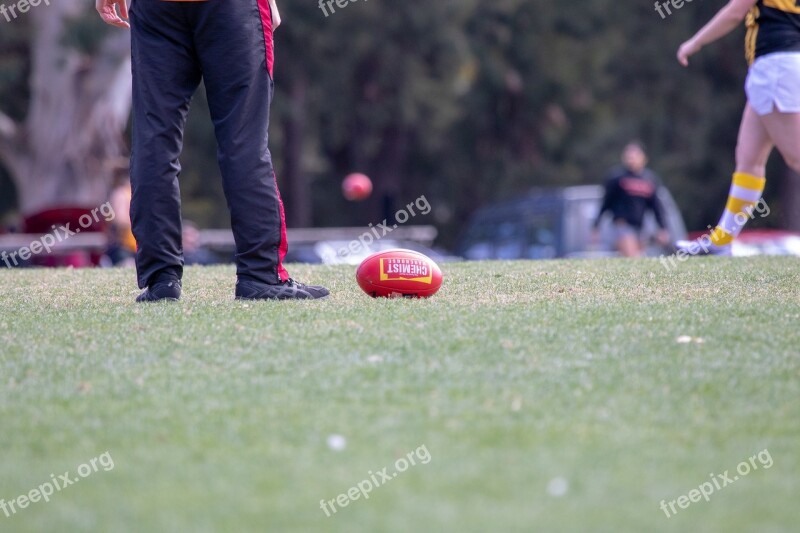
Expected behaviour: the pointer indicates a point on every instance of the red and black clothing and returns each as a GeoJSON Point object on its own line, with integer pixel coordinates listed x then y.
{"type": "Point", "coordinates": [228, 45]}
{"type": "Point", "coordinates": [629, 196]}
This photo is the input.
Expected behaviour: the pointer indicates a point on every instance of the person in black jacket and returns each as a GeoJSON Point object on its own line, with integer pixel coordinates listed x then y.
{"type": "Point", "coordinates": [631, 191]}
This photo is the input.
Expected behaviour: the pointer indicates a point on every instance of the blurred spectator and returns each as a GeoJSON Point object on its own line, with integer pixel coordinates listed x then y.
{"type": "Point", "coordinates": [631, 191]}
{"type": "Point", "coordinates": [193, 252]}
{"type": "Point", "coordinates": [121, 244]}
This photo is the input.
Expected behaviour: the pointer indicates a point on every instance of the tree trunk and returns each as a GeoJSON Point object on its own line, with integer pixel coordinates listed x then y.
{"type": "Point", "coordinates": [64, 152]}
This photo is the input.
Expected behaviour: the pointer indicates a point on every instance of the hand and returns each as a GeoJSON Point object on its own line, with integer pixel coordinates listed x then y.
{"type": "Point", "coordinates": [108, 12]}
{"type": "Point", "coordinates": [276, 15]}
{"type": "Point", "coordinates": [687, 50]}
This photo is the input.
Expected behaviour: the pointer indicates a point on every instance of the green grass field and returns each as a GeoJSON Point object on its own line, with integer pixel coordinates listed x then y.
{"type": "Point", "coordinates": [550, 396]}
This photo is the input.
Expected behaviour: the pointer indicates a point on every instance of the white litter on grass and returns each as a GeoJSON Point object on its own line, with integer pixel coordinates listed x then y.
{"type": "Point", "coordinates": [686, 339]}
{"type": "Point", "coordinates": [557, 487]}
{"type": "Point", "coordinates": [337, 443]}
{"type": "Point", "coordinates": [516, 404]}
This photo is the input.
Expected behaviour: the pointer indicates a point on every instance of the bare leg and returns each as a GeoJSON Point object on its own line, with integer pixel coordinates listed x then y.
{"type": "Point", "coordinates": [784, 130]}
{"type": "Point", "coordinates": [628, 246]}
{"type": "Point", "coordinates": [754, 145]}
{"type": "Point", "coordinates": [752, 152]}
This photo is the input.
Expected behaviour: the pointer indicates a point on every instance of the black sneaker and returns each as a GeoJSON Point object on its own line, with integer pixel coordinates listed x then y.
{"type": "Point", "coordinates": [169, 291]}
{"type": "Point", "coordinates": [288, 290]}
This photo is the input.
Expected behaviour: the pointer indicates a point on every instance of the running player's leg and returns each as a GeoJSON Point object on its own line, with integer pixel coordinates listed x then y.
{"type": "Point", "coordinates": [752, 152]}
{"type": "Point", "coordinates": [784, 130]}
{"type": "Point", "coordinates": [165, 75]}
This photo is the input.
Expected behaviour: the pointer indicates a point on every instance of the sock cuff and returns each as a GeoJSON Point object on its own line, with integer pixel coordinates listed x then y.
{"type": "Point", "coordinates": [748, 181]}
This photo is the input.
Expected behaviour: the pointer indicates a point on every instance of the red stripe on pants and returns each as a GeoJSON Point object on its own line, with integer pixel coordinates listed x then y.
{"type": "Point", "coordinates": [266, 22]}
{"type": "Point", "coordinates": [284, 246]}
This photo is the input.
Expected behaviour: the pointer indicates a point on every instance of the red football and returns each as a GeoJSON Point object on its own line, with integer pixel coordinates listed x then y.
{"type": "Point", "coordinates": [356, 187]}
{"type": "Point", "coordinates": [399, 273]}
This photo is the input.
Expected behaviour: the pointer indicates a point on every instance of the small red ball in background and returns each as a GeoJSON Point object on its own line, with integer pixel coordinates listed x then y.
{"type": "Point", "coordinates": [356, 187]}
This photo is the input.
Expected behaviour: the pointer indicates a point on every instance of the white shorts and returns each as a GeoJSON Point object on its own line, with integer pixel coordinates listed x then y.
{"type": "Point", "coordinates": [773, 83]}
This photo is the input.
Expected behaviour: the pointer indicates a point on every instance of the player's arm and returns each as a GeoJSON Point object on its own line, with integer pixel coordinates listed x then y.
{"type": "Point", "coordinates": [658, 211]}
{"type": "Point", "coordinates": [725, 21]}
{"type": "Point", "coordinates": [607, 199]}
{"type": "Point", "coordinates": [606, 205]}
{"type": "Point", "coordinates": [108, 12]}
{"type": "Point", "coordinates": [657, 206]}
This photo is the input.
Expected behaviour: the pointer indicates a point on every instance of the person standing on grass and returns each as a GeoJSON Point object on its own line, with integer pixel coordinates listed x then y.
{"type": "Point", "coordinates": [631, 191]}
{"type": "Point", "coordinates": [227, 44]}
{"type": "Point", "coordinates": [772, 114]}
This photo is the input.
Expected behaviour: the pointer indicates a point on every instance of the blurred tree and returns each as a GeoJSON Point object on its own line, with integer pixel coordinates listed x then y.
{"type": "Point", "coordinates": [366, 93]}
{"type": "Point", "coordinates": [14, 69]}
{"type": "Point", "coordinates": [61, 150]}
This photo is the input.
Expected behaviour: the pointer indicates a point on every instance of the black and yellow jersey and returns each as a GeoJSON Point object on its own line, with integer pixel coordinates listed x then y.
{"type": "Point", "coordinates": [772, 26]}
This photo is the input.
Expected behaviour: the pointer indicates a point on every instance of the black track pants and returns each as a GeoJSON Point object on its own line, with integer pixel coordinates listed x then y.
{"type": "Point", "coordinates": [228, 45]}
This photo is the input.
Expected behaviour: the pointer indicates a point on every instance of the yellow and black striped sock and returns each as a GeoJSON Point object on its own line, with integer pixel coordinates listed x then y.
{"type": "Point", "coordinates": [746, 192]}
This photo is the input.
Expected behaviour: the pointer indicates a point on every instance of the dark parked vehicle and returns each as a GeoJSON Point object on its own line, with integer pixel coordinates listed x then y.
{"type": "Point", "coordinates": [553, 223]}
